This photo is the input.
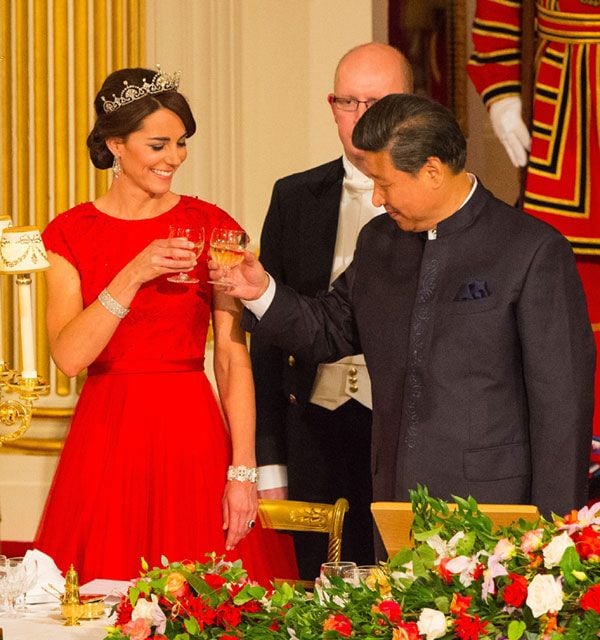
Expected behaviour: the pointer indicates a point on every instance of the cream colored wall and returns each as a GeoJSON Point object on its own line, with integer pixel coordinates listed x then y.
{"type": "Point", "coordinates": [257, 73]}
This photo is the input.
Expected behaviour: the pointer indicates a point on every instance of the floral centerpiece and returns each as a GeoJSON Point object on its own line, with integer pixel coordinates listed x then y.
{"type": "Point", "coordinates": [462, 579]}
{"type": "Point", "coordinates": [185, 600]}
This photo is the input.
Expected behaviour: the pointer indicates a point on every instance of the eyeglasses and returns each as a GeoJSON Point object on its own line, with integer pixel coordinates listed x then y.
{"type": "Point", "coordinates": [349, 104]}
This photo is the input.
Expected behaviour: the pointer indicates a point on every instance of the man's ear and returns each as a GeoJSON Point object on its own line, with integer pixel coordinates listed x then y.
{"type": "Point", "coordinates": [434, 170]}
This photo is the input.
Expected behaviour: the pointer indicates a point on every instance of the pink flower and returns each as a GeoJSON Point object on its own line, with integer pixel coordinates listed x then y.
{"type": "Point", "coordinates": [137, 629]}
{"type": "Point", "coordinates": [532, 540]}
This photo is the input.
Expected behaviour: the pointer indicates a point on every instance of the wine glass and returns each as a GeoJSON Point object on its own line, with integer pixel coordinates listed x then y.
{"type": "Point", "coordinates": [193, 234]}
{"type": "Point", "coordinates": [30, 567]}
{"type": "Point", "coordinates": [12, 585]}
{"type": "Point", "coordinates": [227, 248]}
{"type": "Point", "coordinates": [372, 575]}
{"type": "Point", "coordinates": [342, 569]}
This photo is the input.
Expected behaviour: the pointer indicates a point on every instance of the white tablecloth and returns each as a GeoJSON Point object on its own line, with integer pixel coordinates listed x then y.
{"type": "Point", "coordinates": [44, 622]}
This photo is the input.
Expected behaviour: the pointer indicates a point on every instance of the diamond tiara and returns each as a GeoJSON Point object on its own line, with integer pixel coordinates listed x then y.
{"type": "Point", "coordinates": [161, 82]}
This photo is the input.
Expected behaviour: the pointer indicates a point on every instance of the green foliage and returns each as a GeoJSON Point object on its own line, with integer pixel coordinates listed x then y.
{"type": "Point", "coordinates": [460, 573]}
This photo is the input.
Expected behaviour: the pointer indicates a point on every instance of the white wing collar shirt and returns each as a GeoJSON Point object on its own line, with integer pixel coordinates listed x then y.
{"type": "Point", "coordinates": [338, 382]}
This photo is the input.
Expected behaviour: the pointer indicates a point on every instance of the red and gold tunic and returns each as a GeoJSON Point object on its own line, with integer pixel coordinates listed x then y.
{"type": "Point", "coordinates": [563, 173]}
{"type": "Point", "coordinates": [563, 180]}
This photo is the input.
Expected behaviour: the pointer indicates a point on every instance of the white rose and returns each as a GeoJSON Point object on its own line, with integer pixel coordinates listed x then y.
{"type": "Point", "coordinates": [143, 609]}
{"type": "Point", "coordinates": [555, 549]}
{"type": "Point", "coordinates": [432, 624]}
{"type": "Point", "coordinates": [544, 594]}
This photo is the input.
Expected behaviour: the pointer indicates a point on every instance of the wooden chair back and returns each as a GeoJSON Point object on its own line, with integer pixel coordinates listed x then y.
{"type": "Point", "coordinates": [394, 520]}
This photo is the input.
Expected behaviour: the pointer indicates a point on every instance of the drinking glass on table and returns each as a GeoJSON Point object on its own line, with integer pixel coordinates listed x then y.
{"type": "Point", "coordinates": [193, 234]}
{"type": "Point", "coordinates": [343, 569]}
{"type": "Point", "coordinates": [227, 248]}
{"type": "Point", "coordinates": [30, 567]}
{"type": "Point", "coordinates": [374, 576]}
{"type": "Point", "coordinates": [12, 585]}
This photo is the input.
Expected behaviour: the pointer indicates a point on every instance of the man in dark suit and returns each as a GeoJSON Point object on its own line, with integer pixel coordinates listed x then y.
{"type": "Point", "coordinates": [472, 319]}
{"type": "Point", "coordinates": [313, 432]}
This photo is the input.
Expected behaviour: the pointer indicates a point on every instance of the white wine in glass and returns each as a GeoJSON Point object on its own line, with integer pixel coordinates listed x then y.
{"type": "Point", "coordinates": [193, 234]}
{"type": "Point", "coordinates": [227, 247]}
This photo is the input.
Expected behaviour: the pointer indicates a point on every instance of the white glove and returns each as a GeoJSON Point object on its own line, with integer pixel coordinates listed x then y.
{"type": "Point", "coordinates": [510, 129]}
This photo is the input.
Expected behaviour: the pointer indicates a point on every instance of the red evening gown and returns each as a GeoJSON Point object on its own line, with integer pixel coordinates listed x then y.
{"type": "Point", "coordinates": [143, 468]}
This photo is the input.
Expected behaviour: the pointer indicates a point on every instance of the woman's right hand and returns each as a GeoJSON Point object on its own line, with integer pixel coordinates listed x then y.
{"type": "Point", "coordinates": [163, 256]}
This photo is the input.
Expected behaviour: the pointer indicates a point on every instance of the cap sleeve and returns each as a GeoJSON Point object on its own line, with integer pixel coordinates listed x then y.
{"type": "Point", "coordinates": [56, 238]}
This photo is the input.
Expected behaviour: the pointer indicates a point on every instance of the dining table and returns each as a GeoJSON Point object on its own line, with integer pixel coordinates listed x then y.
{"type": "Point", "coordinates": [44, 622]}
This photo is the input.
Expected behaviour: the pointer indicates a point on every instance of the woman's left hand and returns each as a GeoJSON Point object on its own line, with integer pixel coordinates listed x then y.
{"type": "Point", "coordinates": [240, 506]}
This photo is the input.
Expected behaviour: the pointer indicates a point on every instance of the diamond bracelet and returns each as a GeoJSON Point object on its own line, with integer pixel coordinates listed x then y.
{"type": "Point", "coordinates": [112, 305]}
{"type": "Point", "coordinates": [242, 473]}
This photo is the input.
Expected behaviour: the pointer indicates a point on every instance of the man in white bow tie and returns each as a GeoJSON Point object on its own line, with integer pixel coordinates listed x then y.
{"type": "Point", "coordinates": [314, 423]}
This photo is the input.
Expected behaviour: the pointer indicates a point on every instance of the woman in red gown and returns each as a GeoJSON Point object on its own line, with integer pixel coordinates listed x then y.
{"type": "Point", "coordinates": [144, 468]}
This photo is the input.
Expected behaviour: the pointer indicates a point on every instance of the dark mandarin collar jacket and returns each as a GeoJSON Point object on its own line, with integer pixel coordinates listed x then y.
{"type": "Point", "coordinates": [480, 353]}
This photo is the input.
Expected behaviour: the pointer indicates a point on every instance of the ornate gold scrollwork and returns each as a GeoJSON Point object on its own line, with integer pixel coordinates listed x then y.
{"type": "Point", "coordinates": [16, 414]}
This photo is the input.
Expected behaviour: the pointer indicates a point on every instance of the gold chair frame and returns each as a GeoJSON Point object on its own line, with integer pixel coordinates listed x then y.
{"type": "Point", "coordinates": [318, 517]}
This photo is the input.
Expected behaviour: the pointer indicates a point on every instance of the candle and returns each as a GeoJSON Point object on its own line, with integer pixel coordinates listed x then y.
{"type": "Point", "coordinates": [26, 322]}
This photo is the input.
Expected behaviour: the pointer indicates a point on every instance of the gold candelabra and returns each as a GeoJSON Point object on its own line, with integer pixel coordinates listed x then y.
{"type": "Point", "coordinates": [22, 252]}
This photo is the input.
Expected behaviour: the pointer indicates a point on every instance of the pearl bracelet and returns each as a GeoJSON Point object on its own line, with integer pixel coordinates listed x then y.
{"type": "Point", "coordinates": [111, 305]}
{"type": "Point", "coordinates": [242, 473]}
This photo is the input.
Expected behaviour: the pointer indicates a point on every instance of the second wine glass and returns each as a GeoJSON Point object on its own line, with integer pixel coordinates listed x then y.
{"type": "Point", "coordinates": [227, 248]}
{"type": "Point", "coordinates": [193, 234]}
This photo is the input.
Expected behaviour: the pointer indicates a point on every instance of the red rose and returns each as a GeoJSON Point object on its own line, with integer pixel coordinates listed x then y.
{"type": "Point", "coordinates": [590, 600]}
{"type": "Point", "coordinates": [214, 580]}
{"type": "Point", "coordinates": [587, 543]}
{"type": "Point", "coordinates": [339, 623]}
{"type": "Point", "coordinates": [515, 593]}
{"type": "Point", "coordinates": [390, 609]}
